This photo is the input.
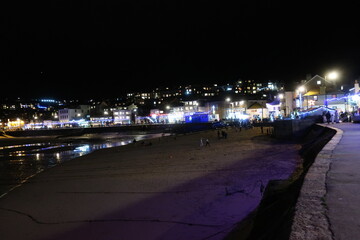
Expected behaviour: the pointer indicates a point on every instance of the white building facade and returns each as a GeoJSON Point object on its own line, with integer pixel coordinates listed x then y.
{"type": "Point", "coordinates": [122, 116]}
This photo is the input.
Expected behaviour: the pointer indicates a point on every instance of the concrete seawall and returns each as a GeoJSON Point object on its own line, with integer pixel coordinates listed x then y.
{"type": "Point", "coordinates": [292, 129]}
{"type": "Point", "coordinates": [289, 206]}
{"type": "Point", "coordinates": [310, 220]}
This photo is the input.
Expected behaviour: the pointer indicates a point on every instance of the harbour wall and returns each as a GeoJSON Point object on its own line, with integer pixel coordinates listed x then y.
{"type": "Point", "coordinates": [273, 219]}
{"type": "Point", "coordinates": [293, 129]}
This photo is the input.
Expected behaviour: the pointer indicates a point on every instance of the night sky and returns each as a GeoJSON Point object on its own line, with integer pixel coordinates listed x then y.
{"type": "Point", "coordinates": [85, 49]}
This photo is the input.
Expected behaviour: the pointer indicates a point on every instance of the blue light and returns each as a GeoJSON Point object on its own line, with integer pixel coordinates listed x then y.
{"type": "Point", "coordinates": [48, 100]}
{"type": "Point", "coordinates": [351, 97]}
{"type": "Point", "coordinates": [84, 148]}
{"type": "Point", "coordinates": [41, 107]}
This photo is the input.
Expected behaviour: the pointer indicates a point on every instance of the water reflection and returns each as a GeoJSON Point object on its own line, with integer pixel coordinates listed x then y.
{"type": "Point", "coordinates": [19, 162]}
{"type": "Point", "coordinates": [84, 148]}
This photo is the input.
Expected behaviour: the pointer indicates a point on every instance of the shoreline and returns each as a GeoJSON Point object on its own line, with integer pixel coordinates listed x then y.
{"type": "Point", "coordinates": [186, 188]}
{"type": "Point", "coordinates": [23, 158]}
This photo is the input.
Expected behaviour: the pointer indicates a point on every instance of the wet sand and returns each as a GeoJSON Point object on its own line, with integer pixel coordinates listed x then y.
{"type": "Point", "coordinates": [170, 189]}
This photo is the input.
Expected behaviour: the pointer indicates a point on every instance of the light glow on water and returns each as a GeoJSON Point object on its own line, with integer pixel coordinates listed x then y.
{"type": "Point", "coordinates": [19, 162]}
{"type": "Point", "coordinates": [84, 148]}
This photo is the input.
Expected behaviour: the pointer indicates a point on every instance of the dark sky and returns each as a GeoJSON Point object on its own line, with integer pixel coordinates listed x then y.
{"type": "Point", "coordinates": [88, 48]}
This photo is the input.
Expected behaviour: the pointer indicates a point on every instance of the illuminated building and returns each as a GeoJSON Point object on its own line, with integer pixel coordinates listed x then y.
{"type": "Point", "coordinates": [122, 116]}
{"type": "Point", "coordinates": [251, 87]}
{"type": "Point", "coordinates": [15, 125]}
{"type": "Point", "coordinates": [70, 114]}
{"type": "Point", "coordinates": [257, 111]}
{"type": "Point", "coordinates": [318, 91]}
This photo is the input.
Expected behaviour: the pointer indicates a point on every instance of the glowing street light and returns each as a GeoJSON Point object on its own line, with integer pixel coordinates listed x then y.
{"type": "Point", "coordinates": [334, 75]}
{"type": "Point", "coordinates": [300, 90]}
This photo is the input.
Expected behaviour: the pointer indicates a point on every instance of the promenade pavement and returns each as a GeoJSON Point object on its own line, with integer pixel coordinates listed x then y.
{"type": "Point", "coordinates": [343, 184]}
{"type": "Point", "coordinates": [329, 202]}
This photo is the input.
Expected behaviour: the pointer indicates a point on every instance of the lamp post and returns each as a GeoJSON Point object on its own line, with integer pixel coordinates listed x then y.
{"type": "Point", "coordinates": [228, 105]}
{"type": "Point", "coordinates": [282, 111]}
{"type": "Point", "coordinates": [300, 90]}
{"type": "Point", "coordinates": [330, 76]}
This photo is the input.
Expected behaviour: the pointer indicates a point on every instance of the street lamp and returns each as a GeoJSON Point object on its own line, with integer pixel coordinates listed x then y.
{"type": "Point", "coordinates": [300, 90]}
{"type": "Point", "coordinates": [332, 76]}
{"type": "Point", "coordinates": [229, 107]}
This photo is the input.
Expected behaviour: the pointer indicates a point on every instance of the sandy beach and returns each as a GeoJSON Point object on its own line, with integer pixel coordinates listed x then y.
{"type": "Point", "coordinates": [166, 188]}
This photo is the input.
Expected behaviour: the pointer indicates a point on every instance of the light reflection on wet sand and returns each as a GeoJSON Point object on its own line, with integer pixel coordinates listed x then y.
{"type": "Point", "coordinates": [19, 162]}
